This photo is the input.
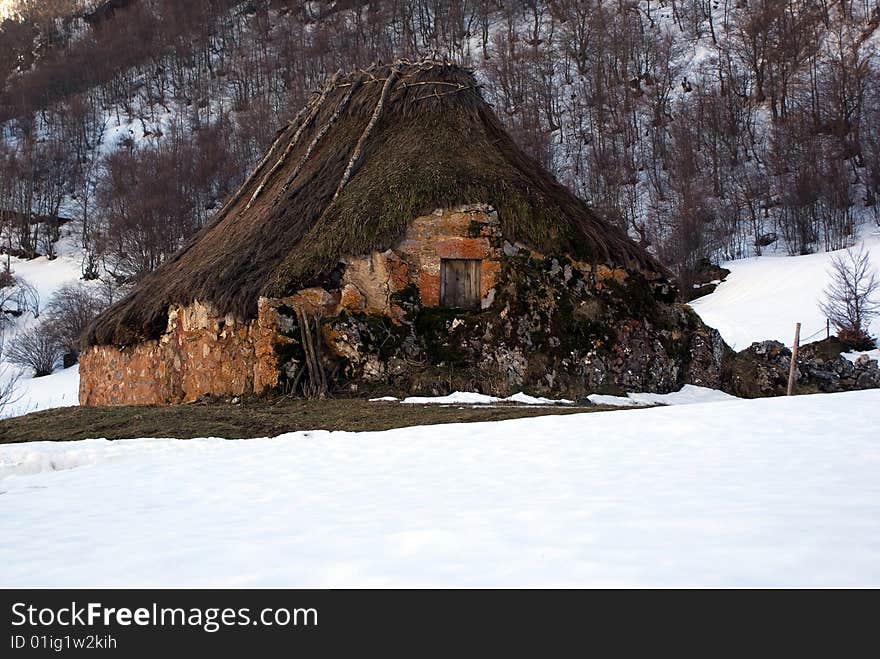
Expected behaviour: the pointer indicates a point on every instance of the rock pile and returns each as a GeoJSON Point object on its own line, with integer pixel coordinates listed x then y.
{"type": "Point", "coordinates": [762, 370]}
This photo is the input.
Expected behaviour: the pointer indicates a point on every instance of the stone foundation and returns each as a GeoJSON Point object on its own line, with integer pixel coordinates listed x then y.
{"type": "Point", "coordinates": [555, 327]}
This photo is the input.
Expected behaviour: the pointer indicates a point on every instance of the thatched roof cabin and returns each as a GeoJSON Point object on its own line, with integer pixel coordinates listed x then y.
{"type": "Point", "coordinates": [372, 152]}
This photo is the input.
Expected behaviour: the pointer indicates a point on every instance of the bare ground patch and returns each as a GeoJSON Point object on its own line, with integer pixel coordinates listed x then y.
{"type": "Point", "coordinates": [251, 418]}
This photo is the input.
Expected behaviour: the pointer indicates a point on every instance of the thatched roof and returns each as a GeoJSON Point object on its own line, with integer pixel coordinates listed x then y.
{"type": "Point", "coordinates": [371, 151]}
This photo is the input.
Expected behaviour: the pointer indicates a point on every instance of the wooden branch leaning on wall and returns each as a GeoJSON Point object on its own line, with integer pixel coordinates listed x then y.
{"type": "Point", "coordinates": [311, 342]}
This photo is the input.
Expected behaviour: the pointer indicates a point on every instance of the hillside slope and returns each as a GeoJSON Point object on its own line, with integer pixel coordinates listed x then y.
{"type": "Point", "coordinates": [765, 296]}
{"type": "Point", "coordinates": [698, 127]}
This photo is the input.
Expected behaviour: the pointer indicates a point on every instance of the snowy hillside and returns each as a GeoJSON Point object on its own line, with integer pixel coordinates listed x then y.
{"type": "Point", "coordinates": [672, 496]}
{"type": "Point", "coordinates": [60, 389]}
{"type": "Point", "coordinates": [698, 127]}
{"type": "Point", "coordinates": [765, 296]}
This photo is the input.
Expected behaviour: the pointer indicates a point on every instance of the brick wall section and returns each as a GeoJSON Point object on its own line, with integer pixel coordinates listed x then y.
{"type": "Point", "coordinates": [202, 353]}
{"type": "Point", "coordinates": [469, 232]}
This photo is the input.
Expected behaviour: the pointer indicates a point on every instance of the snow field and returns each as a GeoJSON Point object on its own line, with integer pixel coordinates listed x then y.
{"type": "Point", "coordinates": [772, 492]}
{"type": "Point", "coordinates": [765, 296]}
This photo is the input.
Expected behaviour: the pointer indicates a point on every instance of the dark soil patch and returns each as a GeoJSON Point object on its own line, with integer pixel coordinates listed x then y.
{"type": "Point", "coordinates": [249, 419]}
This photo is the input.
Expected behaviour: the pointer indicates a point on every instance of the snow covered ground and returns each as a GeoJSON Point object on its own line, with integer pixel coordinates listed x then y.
{"type": "Point", "coordinates": [472, 398]}
{"type": "Point", "coordinates": [688, 395]}
{"type": "Point", "coordinates": [772, 492]}
{"type": "Point", "coordinates": [765, 296]}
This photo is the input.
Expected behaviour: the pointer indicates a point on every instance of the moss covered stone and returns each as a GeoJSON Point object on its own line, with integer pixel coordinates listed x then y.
{"type": "Point", "coordinates": [552, 328]}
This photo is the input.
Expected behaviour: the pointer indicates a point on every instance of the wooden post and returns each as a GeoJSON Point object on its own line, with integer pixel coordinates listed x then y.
{"type": "Point", "coordinates": [827, 328]}
{"type": "Point", "coordinates": [794, 354]}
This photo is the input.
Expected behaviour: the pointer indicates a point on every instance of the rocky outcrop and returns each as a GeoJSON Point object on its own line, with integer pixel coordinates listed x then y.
{"type": "Point", "coordinates": [763, 369]}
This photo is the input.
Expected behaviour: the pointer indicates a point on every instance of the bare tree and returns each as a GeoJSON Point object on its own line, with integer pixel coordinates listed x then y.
{"type": "Point", "coordinates": [852, 299]}
{"type": "Point", "coordinates": [17, 297]}
{"type": "Point", "coordinates": [68, 313]}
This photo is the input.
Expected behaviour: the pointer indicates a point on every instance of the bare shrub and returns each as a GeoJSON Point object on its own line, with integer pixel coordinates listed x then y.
{"type": "Point", "coordinates": [17, 297]}
{"type": "Point", "coordinates": [34, 348]}
{"type": "Point", "coordinates": [8, 378]}
{"type": "Point", "coordinates": [69, 311]}
{"type": "Point", "coordinates": [852, 299]}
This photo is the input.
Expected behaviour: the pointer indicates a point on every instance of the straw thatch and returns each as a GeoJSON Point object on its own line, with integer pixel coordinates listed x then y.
{"type": "Point", "coordinates": [371, 151]}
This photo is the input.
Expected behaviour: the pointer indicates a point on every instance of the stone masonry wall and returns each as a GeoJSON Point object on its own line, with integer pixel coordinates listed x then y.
{"type": "Point", "coordinates": [202, 353]}
{"type": "Point", "coordinates": [199, 353]}
{"type": "Point", "coordinates": [466, 232]}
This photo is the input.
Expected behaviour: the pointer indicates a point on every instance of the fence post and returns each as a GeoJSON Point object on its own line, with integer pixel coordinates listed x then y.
{"type": "Point", "coordinates": [794, 354]}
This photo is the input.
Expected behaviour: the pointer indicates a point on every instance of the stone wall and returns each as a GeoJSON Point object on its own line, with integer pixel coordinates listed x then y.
{"type": "Point", "coordinates": [763, 368]}
{"type": "Point", "coordinates": [555, 327]}
{"type": "Point", "coordinates": [202, 353]}
{"type": "Point", "coordinates": [199, 353]}
{"type": "Point", "coordinates": [466, 232]}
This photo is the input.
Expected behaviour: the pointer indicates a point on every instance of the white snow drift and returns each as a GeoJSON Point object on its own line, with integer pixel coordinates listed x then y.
{"type": "Point", "coordinates": [688, 395]}
{"type": "Point", "coordinates": [472, 398]}
{"type": "Point", "coordinates": [740, 493]}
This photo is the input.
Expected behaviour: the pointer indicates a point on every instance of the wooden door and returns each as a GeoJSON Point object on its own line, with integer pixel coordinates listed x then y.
{"type": "Point", "coordinates": [460, 283]}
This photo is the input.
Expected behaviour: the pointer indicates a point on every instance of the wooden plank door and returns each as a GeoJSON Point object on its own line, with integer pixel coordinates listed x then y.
{"type": "Point", "coordinates": [460, 283]}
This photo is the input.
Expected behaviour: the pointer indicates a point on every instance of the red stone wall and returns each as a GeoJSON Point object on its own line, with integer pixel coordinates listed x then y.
{"type": "Point", "coordinates": [200, 353]}
{"type": "Point", "coordinates": [467, 232]}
